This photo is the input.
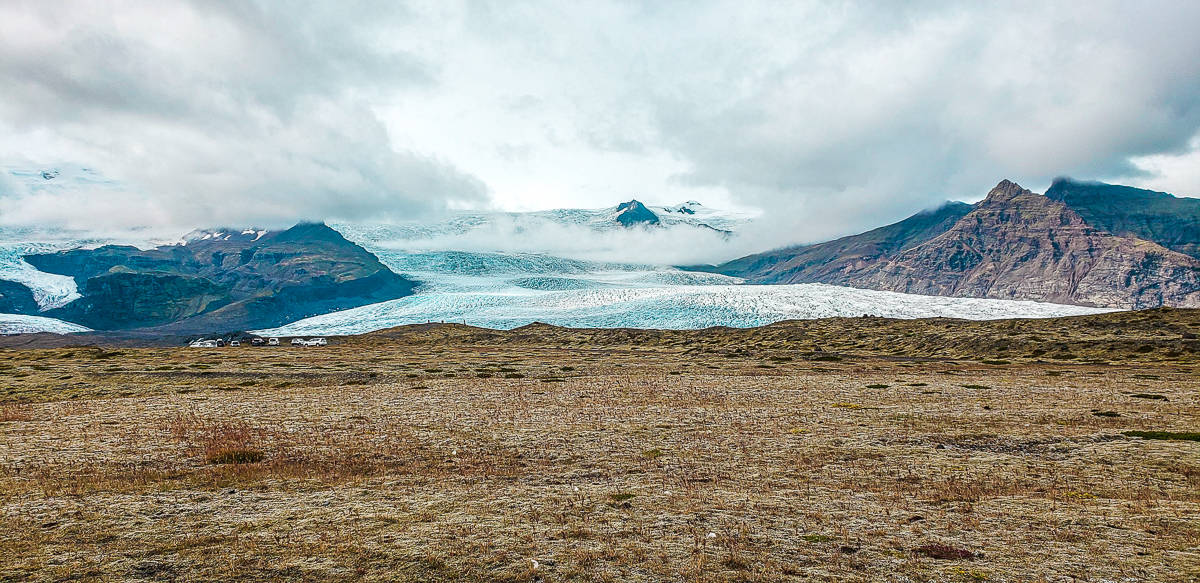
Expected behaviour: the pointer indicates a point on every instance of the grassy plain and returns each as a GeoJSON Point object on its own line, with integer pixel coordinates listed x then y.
{"type": "Point", "coordinates": [840, 450]}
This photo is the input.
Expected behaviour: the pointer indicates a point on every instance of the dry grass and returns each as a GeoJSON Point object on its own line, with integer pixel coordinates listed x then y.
{"type": "Point", "coordinates": [411, 456]}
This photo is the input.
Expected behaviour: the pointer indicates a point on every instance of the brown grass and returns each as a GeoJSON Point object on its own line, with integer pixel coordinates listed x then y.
{"type": "Point", "coordinates": [653, 460]}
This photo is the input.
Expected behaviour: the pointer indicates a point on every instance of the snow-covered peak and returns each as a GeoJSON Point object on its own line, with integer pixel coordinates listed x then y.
{"type": "Point", "coordinates": [239, 235]}
{"type": "Point", "coordinates": [687, 208]}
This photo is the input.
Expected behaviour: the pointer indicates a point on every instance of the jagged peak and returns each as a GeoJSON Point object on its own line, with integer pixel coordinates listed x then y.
{"type": "Point", "coordinates": [1006, 190]}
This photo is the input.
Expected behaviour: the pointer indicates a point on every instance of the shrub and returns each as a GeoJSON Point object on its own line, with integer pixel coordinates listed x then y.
{"type": "Point", "coordinates": [235, 456]}
{"type": "Point", "coordinates": [946, 552]}
{"type": "Point", "coordinates": [1167, 435]}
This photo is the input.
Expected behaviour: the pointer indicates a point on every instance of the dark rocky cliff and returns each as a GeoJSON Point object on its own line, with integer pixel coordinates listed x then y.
{"type": "Point", "coordinates": [16, 299]}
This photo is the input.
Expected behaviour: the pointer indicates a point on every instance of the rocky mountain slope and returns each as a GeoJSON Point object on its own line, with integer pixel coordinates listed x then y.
{"type": "Point", "coordinates": [843, 260]}
{"type": "Point", "coordinates": [1014, 244]}
{"type": "Point", "coordinates": [219, 281]}
{"type": "Point", "coordinates": [1168, 220]}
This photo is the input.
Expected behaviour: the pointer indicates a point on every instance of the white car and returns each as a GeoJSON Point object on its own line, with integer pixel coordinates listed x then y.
{"type": "Point", "coordinates": [299, 342]}
{"type": "Point", "coordinates": [272, 342]}
{"type": "Point", "coordinates": [235, 342]}
{"type": "Point", "coordinates": [318, 342]}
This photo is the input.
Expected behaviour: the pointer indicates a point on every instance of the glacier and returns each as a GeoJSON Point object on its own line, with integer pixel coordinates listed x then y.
{"type": "Point", "coordinates": [665, 307]}
{"type": "Point", "coordinates": [49, 290]}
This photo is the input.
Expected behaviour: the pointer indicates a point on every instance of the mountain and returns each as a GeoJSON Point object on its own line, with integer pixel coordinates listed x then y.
{"type": "Point", "coordinates": [1014, 244]}
{"type": "Point", "coordinates": [1166, 219]}
{"type": "Point", "coordinates": [222, 280]}
{"type": "Point", "coordinates": [635, 213]}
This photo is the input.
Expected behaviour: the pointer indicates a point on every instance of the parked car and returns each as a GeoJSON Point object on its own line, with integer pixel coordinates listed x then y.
{"type": "Point", "coordinates": [298, 342]}
{"type": "Point", "coordinates": [272, 342]}
{"type": "Point", "coordinates": [318, 342]}
{"type": "Point", "coordinates": [202, 343]}
{"type": "Point", "coordinates": [235, 342]}
{"type": "Point", "coordinates": [220, 343]}
{"type": "Point", "coordinates": [256, 342]}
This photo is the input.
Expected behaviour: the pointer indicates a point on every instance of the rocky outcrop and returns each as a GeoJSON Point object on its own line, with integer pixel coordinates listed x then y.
{"type": "Point", "coordinates": [635, 213]}
{"type": "Point", "coordinates": [1014, 244]}
{"type": "Point", "coordinates": [219, 281]}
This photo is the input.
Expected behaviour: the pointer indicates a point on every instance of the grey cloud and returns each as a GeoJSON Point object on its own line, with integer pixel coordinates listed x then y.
{"type": "Point", "coordinates": [946, 103]}
{"type": "Point", "coordinates": [838, 116]}
{"type": "Point", "coordinates": [832, 116]}
{"type": "Point", "coordinates": [221, 112]}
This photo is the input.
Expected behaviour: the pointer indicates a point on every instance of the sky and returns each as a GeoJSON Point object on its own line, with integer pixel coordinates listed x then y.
{"type": "Point", "coordinates": [830, 117]}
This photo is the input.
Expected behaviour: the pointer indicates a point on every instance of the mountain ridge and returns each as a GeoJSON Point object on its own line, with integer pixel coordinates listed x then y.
{"type": "Point", "coordinates": [1014, 244]}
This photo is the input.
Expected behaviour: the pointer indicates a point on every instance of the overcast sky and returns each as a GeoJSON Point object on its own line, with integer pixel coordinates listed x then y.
{"type": "Point", "coordinates": [832, 116]}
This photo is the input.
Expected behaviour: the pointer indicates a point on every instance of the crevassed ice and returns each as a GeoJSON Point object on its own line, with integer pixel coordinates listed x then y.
{"type": "Point", "coordinates": [669, 307]}
{"type": "Point", "coordinates": [20, 324]}
{"type": "Point", "coordinates": [50, 290]}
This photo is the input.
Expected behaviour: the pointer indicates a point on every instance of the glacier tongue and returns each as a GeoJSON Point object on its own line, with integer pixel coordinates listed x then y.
{"type": "Point", "coordinates": [671, 307]}
{"type": "Point", "coordinates": [18, 324]}
{"type": "Point", "coordinates": [50, 290]}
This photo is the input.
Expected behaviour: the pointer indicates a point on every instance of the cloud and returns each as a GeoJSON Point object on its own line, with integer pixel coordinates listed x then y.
{"type": "Point", "coordinates": [832, 117]}
{"type": "Point", "coordinates": [679, 244]}
{"type": "Point", "coordinates": [216, 113]}
{"type": "Point", "coordinates": [874, 115]}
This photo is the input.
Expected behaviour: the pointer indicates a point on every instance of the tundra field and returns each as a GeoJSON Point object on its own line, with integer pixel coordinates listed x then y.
{"type": "Point", "coordinates": [840, 450]}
